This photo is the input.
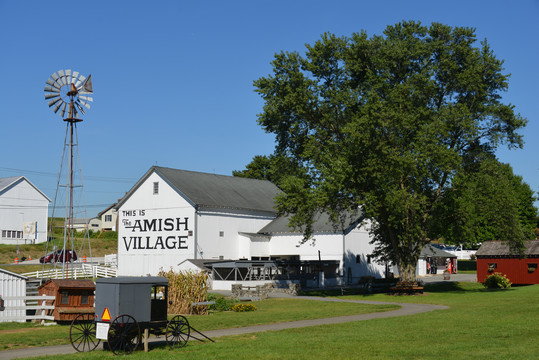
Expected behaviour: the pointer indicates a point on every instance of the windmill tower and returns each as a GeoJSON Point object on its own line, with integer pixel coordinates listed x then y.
{"type": "Point", "coordinates": [67, 92]}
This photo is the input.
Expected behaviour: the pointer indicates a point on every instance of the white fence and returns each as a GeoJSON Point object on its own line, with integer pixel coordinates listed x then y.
{"type": "Point", "coordinates": [15, 308]}
{"type": "Point", "coordinates": [84, 271]}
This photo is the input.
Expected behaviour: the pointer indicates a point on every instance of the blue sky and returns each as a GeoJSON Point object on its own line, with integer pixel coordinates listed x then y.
{"type": "Point", "coordinates": [173, 80]}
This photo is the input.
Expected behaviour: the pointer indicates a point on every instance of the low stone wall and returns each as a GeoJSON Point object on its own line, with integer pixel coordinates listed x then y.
{"type": "Point", "coordinates": [263, 291]}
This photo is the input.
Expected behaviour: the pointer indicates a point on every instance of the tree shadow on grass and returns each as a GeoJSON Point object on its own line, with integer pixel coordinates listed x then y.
{"type": "Point", "coordinates": [458, 287]}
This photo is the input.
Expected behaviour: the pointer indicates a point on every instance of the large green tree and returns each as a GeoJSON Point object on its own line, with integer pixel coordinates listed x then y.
{"type": "Point", "coordinates": [488, 202]}
{"type": "Point", "coordinates": [382, 124]}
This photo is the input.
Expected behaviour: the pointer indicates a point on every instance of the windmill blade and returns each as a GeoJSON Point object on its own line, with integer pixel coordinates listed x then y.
{"type": "Point", "coordinates": [61, 77]}
{"type": "Point", "coordinates": [75, 75]}
{"type": "Point", "coordinates": [55, 77]}
{"type": "Point", "coordinates": [52, 89]}
{"type": "Point", "coordinates": [63, 111]}
{"type": "Point", "coordinates": [87, 98]}
{"type": "Point", "coordinates": [53, 84]}
{"type": "Point", "coordinates": [80, 108]}
{"type": "Point", "coordinates": [57, 107]}
{"type": "Point", "coordinates": [81, 79]}
{"type": "Point", "coordinates": [51, 96]}
{"type": "Point", "coordinates": [54, 101]}
{"type": "Point", "coordinates": [68, 76]}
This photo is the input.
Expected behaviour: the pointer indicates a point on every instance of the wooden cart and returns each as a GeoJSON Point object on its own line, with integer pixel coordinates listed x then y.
{"type": "Point", "coordinates": [125, 309]}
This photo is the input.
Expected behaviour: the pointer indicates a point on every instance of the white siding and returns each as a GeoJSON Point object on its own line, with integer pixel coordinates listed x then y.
{"type": "Point", "coordinates": [12, 285]}
{"type": "Point", "coordinates": [143, 251]}
{"type": "Point", "coordinates": [23, 204]}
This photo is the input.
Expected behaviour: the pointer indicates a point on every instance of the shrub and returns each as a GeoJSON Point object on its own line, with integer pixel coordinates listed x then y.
{"type": "Point", "coordinates": [243, 307]}
{"type": "Point", "coordinates": [221, 303]}
{"type": "Point", "coordinates": [497, 281]}
{"type": "Point", "coordinates": [467, 265]}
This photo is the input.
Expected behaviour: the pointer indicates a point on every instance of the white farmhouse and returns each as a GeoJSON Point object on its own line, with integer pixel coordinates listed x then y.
{"type": "Point", "coordinates": [171, 216]}
{"type": "Point", "coordinates": [23, 212]}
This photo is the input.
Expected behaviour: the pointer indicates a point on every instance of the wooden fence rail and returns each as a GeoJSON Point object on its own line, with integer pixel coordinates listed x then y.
{"type": "Point", "coordinates": [85, 271]}
{"type": "Point", "coordinates": [15, 307]}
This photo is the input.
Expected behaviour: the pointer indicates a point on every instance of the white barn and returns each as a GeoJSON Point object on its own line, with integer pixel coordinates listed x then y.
{"type": "Point", "coordinates": [172, 215]}
{"type": "Point", "coordinates": [23, 212]}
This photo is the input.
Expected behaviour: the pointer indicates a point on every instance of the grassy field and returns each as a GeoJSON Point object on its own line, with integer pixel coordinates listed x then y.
{"type": "Point", "coordinates": [16, 335]}
{"type": "Point", "coordinates": [480, 323]}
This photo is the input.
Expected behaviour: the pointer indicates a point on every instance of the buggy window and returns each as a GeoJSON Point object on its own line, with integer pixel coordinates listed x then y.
{"type": "Point", "coordinates": [84, 297]}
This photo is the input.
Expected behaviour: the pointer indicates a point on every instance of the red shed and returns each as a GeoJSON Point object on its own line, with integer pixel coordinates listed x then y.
{"type": "Point", "coordinates": [73, 297]}
{"type": "Point", "coordinates": [495, 256]}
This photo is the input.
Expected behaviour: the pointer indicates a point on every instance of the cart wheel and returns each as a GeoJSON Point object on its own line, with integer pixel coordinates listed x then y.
{"type": "Point", "coordinates": [177, 332]}
{"type": "Point", "coordinates": [82, 333]}
{"type": "Point", "coordinates": [124, 335]}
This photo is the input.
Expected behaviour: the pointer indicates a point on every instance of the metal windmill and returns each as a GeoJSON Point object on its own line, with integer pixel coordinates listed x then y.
{"type": "Point", "coordinates": [67, 92]}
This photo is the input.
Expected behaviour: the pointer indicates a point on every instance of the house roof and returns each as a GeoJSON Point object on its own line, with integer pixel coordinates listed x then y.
{"type": "Point", "coordinates": [9, 182]}
{"type": "Point", "coordinates": [211, 191]}
{"type": "Point", "coordinates": [499, 248]}
{"type": "Point", "coordinates": [322, 224]}
{"type": "Point", "coordinates": [71, 284]}
{"type": "Point", "coordinates": [431, 251]}
{"type": "Point", "coordinates": [13, 274]}
{"type": "Point", "coordinates": [107, 209]}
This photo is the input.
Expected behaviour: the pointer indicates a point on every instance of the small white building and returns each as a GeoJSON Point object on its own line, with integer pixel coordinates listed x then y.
{"type": "Point", "coordinates": [12, 285]}
{"type": "Point", "coordinates": [23, 212]}
{"type": "Point", "coordinates": [172, 215]}
{"type": "Point", "coordinates": [109, 218]}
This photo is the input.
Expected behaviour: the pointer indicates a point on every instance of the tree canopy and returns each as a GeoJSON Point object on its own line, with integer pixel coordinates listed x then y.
{"type": "Point", "coordinates": [384, 123]}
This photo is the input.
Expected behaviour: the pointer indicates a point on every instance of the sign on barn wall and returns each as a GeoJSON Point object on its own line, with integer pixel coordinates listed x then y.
{"type": "Point", "coordinates": [142, 231]}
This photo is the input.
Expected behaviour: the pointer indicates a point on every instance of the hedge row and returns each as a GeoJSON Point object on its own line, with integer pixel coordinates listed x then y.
{"type": "Point", "coordinates": [467, 265]}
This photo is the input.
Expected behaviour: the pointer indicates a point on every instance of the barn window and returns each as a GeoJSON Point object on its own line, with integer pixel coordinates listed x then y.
{"type": "Point", "coordinates": [84, 298]}
{"type": "Point", "coordinates": [492, 267]}
{"type": "Point", "coordinates": [358, 259]}
{"type": "Point", "coordinates": [155, 188]}
{"type": "Point", "coordinates": [108, 218]}
{"type": "Point", "coordinates": [221, 233]}
{"type": "Point", "coordinates": [532, 267]}
{"type": "Point", "coordinates": [64, 300]}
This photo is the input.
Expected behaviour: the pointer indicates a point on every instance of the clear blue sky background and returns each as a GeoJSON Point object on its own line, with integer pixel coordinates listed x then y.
{"type": "Point", "coordinates": [173, 80]}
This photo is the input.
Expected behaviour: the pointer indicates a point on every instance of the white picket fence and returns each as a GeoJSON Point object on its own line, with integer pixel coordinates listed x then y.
{"type": "Point", "coordinates": [80, 271]}
{"type": "Point", "coordinates": [15, 308]}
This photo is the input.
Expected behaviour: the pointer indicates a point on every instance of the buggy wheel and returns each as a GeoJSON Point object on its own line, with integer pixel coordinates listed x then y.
{"type": "Point", "coordinates": [124, 335]}
{"type": "Point", "coordinates": [177, 332]}
{"type": "Point", "coordinates": [82, 333]}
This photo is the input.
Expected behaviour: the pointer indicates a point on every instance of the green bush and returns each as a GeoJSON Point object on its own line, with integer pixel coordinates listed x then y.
{"type": "Point", "coordinates": [497, 281]}
{"type": "Point", "coordinates": [221, 303]}
{"type": "Point", "coordinates": [467, 265]}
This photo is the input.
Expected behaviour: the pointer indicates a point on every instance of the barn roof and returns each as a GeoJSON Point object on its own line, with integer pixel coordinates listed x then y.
{"type": "Point", "coordinates": [211, 191]}
{"type": "Point", "coordinates": [431, 251]}
{"type": "Point", "coordinates": [500, 248]}
{"type": "Point", "coordinates": [9, 182]}
{"type": "Point", "coordinates": [71, 284]}
{"type": "Point", "coordinates": [322, 224]}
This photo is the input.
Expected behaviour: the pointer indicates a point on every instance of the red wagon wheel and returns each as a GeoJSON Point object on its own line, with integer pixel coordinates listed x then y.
{"type": "Point", "coordinates": [124, 335]}
{"type": "Point", "coordinates": [82, 333]}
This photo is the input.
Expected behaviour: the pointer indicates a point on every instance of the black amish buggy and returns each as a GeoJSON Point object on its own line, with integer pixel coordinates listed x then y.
{"type": "Point", "coordinates": [125, 309]}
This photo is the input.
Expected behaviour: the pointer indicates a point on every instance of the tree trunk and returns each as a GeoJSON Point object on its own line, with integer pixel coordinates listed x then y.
{"type": "Point", "coordinates": [407, 272]}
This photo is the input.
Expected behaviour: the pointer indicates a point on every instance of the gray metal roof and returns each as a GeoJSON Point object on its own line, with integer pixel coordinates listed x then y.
{"type": "Point", "coordinates": [431, 251]}
{"type": "Point", "coordinates": [499, 248]}
{"type": "Point", "coordinates": [211, 191]}
{"type": "Point", "coordinates": [6, 183]}
{"type": "Point", "coordinates": [154, 280]}
{"type": "Point", "coordinates": [322, 224]}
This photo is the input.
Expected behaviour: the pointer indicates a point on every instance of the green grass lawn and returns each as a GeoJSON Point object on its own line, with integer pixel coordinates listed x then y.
{"type": "Point", "coordinates": [16, 335]}
{"type": "Point", "coordinates": [480, 323]}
